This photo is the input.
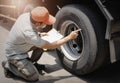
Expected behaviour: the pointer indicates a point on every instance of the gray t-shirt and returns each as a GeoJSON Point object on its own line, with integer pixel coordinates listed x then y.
{"type": "Point", "coordinates": [22, 37]}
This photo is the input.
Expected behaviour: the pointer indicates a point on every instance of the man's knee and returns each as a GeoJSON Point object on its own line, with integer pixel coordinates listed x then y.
{"type": "Point", "coordinates": [30, 73]}
{"type": "Point", "coordinates": [34, 77]}
{"type": "Point", "coordinates": [25, 70]}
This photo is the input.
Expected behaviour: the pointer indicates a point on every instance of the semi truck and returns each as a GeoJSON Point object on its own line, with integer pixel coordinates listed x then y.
{"type": "Point", "coordinates": [98, 41]}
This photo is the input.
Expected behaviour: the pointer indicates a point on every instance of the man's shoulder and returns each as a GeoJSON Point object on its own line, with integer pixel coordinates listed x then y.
{"type": "Point", "coordinates": [23, 17]}
{"type": "Point", "coordinates": [24, 21]}
{"type": "Point", "coordinates": [24, 14]}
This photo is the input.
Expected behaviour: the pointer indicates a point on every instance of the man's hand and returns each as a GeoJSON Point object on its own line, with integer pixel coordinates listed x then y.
{"type": "Point", "coordinates": [43, 34]}
{"type": "Point", "coordinates": [74, 34]}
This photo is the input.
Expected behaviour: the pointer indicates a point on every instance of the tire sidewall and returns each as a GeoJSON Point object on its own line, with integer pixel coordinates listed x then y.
{"type": "Point", "coordinates": [78, 16]}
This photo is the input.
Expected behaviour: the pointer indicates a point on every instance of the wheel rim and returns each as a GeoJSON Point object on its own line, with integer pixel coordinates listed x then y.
{"type": "Point", "coordinates": [73, 48]}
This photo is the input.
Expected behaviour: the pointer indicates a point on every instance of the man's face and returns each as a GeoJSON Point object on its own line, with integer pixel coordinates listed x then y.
{"type": "Point", "coordinates": [37, 24]}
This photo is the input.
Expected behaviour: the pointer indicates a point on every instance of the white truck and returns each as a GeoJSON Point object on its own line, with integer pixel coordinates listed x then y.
{"type": "Point", "coordinates": [98, 42]}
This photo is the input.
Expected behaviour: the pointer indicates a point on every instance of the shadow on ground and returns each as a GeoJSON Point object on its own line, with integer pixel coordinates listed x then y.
{"type": "Point", "coordinates": [44, 79]}
{"type": "Point", "coordinates": [108, 74]}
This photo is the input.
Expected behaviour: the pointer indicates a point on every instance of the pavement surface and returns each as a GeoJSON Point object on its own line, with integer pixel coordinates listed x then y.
{"type": "Point", "coordinates": [55, 73]}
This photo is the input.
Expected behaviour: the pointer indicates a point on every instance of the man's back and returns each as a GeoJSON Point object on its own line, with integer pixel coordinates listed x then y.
{"type": "Point", "coordinates": [16, 42]}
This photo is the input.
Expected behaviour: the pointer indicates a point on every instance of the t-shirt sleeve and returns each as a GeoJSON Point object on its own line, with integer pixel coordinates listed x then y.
{"type": "Point", "coordinates": [33, 38]}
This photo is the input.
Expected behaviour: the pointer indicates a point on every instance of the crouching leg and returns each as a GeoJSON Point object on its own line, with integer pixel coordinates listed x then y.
{"type": "Point", "coordinates": [23, 68]}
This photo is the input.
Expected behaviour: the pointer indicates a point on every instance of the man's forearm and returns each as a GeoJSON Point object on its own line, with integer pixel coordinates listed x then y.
{"type": "Point", "coordinates": [61, 41]}
{"type": "Point", "coordinates": [56, 44]}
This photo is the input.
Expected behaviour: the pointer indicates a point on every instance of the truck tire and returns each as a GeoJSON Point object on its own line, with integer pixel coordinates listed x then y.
{"type": "Point", "coordinates": [90, 49]}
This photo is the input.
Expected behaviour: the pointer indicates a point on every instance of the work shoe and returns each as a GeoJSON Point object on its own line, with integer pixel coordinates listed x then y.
{"type": "Point", "coordinates": [40, 68]}
{"type": "Point", "coordinates": [7, 73]}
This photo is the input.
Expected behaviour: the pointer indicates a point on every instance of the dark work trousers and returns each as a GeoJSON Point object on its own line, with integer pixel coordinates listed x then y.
{"type": "Point", "coordinates": [24, 67]}
{"type": "Point", "coordinates": [37, 53]}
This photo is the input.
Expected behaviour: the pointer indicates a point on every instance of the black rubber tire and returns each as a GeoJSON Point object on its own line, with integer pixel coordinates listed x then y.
{"type": "Point", "coordinates": [94, 46]}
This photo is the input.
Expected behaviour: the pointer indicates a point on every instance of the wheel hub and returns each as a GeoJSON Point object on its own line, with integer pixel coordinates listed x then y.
{"type": "Point", "coordinates": [73, 48]}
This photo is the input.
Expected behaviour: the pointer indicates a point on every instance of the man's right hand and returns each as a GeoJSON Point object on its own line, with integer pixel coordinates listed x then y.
{"type": "Point", "coordinates": [74, 34]}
